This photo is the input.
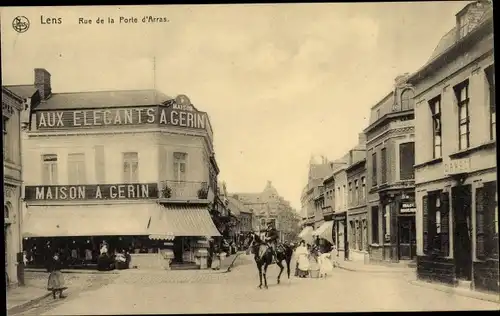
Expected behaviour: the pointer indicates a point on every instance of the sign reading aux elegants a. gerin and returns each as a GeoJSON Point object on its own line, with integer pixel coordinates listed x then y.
{"type": "Point", "coordinates": [172, 115]}
{"type": "Point", "coordinates": [129, 191]}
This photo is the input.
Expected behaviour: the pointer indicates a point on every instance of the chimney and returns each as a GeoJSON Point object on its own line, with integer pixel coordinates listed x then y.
{"type": "Point", "coordinates": [42, 83]}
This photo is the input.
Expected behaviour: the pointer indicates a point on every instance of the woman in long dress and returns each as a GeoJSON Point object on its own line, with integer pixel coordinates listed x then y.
{"type": "Point", "coordinates": [56, 278]}
{"type": "Point", "coordinates": [302, 255]}
{"type": "Point", "coordinates": [325, 264]}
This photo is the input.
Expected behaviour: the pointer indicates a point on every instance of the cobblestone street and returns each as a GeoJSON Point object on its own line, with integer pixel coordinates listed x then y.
{"type": "Point", "coordinates": [141, 292]}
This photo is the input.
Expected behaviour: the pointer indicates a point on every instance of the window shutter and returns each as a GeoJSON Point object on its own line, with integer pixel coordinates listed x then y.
{"type": "Point", "coordinates": [425, 223]}
{"type": "Point", "coordinates": [445, 223]}
{"type": "Point", "coordinates": [480, 236]}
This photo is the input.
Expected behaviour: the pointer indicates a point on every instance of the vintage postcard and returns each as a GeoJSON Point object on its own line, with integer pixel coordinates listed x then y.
{"type": "Point", "coordinates": [263, 158]}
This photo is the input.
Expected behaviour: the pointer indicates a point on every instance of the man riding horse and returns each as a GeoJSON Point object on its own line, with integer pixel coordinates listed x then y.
{"type": "Point", "coordinates": [271, 238]}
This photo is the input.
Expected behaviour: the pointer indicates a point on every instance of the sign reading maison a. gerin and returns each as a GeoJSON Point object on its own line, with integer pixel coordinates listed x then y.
{"type": "Point", "coordinates": [129, 191]}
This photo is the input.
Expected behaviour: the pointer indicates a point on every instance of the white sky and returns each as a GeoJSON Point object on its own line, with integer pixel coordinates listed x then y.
{"type": "Point", "coordinates": [279, 82]}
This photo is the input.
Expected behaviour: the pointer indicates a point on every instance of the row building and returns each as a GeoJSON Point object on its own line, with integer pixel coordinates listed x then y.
{"type": "Point", "coordinates": [426, 190]}
{"type": "Point", "coordinates": [456, 161]}
{"type": "Point", "coordinates": [134, 168]}
{"type": "Point", "coordinates": [269, 206]}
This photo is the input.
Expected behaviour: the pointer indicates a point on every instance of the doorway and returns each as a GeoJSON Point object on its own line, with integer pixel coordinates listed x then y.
{"type": "Point", "coordinates": [407, 238]}
{"type": "Point", "coordinates": [178, 249]}
{"type": "Point", "coordinates": [462, 229]}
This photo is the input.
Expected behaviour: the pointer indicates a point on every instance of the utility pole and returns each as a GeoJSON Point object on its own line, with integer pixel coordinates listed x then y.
{"type": "Point", "coordinates": [154, 77]}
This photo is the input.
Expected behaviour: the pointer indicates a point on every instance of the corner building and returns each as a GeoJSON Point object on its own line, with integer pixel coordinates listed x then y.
{"type": "Point", "coordinates": [456, 163]}
{"type": "Point", "coordinates": [390, 146]}
{"type": "Point", "coordinates": [134, 168]}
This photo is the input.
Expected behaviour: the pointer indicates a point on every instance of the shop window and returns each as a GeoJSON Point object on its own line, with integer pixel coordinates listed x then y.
{"type": "Point", "coordinates": [375, 225]}
{"type": "Point", "coordinates": [407, 101]}
{"type": "Point", "coordinates": [490, 78]}
{"type": "Point", "coordinates": [435, 106]}
{"type": "Point", "coordinates": [374, 169]}
{"type": "Point", "coordinates": [76, 169]}
{"type": "Point", "coordinates": [462, 97]}
{"type": "Point", "coordinates": [49, 169]}
{"type": "Point", "coordinates": [383, 164]}
{"type": "Point", "coordinates": [406, 161]}
{"type": "Point", "coordinates": [487, 221]}
{"type": "Point", "coordinates": [435, 211]}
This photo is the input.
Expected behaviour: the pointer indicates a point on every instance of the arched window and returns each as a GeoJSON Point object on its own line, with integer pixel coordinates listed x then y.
{"type": "Point", "coordinates": [407, 101]}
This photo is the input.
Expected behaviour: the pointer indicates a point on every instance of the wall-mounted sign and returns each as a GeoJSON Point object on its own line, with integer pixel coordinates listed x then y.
{"type": "Point", "coordinates": [172, 114]}
{"type": "Point", "coordinates": [408, 210]}
{"type": "Point", "coordinates": [132, 191]}
{"type": "Point", "coordinates": [457, 166]}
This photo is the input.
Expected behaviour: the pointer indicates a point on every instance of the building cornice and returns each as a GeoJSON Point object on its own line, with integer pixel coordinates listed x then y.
{"type": "Point", "coordinates": [386, 119]}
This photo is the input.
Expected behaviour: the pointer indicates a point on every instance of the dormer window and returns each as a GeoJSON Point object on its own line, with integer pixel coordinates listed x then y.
{"type": "Point", "coordinates": [463, 25]}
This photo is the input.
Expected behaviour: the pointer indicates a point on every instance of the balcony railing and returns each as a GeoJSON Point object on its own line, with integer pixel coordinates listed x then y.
{"type": "Point", "coordinates": [183, 190]}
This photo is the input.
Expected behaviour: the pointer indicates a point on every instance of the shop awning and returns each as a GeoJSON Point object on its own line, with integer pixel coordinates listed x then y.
{"type": "Point", "coordinates": [325, 231]}
{"type": "Point", "coordinates": [306, 234]}
{"type": "Point", "coordinates": [129, 219]}
{"type": "Point", "coordinates": [176, 221]}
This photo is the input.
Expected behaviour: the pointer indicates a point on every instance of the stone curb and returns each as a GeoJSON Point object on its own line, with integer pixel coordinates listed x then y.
{"type": "Point", "coordinates": [452, 290]}
{"type": "Point", "coordinates": [76, 271]}
{"type": "Point", "coordinates": [19, 308]}
{"type": "Point", "coordinates": [375, 271]}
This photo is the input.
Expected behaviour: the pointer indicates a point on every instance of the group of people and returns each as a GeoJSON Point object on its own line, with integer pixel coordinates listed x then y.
{"type": "Point", "coordinates": [313, 259]}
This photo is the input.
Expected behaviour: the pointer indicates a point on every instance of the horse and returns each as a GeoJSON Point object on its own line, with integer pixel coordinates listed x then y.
{"type": "Point", "coordinates": [263, 258]}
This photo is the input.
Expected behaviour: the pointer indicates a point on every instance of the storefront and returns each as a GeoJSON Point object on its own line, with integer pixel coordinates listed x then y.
{"type": "Point", "coordinates": [395, 224]}
{"type": "Point", "coordinates": [74, 220]}
{"type": "Point", "coordinates": [358, 234]}
{"type": "Point", "coordinates": [325, 233]}
{"type": "Point", "coordinates": [185, 230]}
{"type": "Point", "coordinates": [459, 219]}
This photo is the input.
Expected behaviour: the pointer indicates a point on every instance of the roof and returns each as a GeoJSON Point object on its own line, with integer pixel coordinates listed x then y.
{"type": "Point", "coordinates": [99, 99]}
{"type": "Point", "coordinates": [444, 43]}
{"type": "Point", "coordinates": [24, 91]}
{"type": "Point", "coordinates": [236, 207]}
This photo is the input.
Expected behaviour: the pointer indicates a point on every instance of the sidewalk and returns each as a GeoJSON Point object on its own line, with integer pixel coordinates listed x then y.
{"type": "Point", "coordinates": [19, 297]}
{"type": "Point", "coordinates": [495, 298]}
{"type": "Point", "coordinates": [360, 266]}
{"type": "Point", "coordinates": [75, 271]}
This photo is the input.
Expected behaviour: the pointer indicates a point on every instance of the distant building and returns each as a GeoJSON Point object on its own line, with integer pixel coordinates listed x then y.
{"type": "Point", "coordinates": [357, 213]}
{"type": "Point", "coordinates": [456, 161]}
{"type": "Point", "coordinates": [269, 206]}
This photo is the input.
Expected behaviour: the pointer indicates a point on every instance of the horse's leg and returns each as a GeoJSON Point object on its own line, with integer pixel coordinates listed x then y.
{"type": "Point", "coordinates": [287, 260]}
{"type": "Point", "coordinates": [259, 266]}
{"type": "Point", "coordinates": [265, 274]}
{"type": "Point", "coordinates": [280, 264]}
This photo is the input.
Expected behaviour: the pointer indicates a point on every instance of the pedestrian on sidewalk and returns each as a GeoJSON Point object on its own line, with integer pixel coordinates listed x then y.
{"type": "Point", "coordinates": [56, 278]}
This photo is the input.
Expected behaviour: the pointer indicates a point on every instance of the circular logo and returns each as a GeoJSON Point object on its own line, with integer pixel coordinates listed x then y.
{"type": "Point", "coordinates": [21, 24]}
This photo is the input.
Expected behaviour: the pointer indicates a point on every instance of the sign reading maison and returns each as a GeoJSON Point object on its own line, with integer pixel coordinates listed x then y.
{"type": "Point", "coordinates": [172, 115]}
{"type": "Point", "coordinates": [131, 191]}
